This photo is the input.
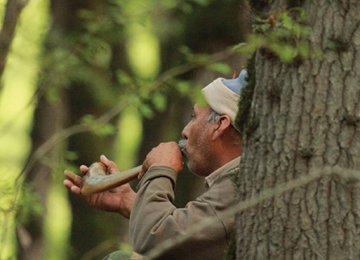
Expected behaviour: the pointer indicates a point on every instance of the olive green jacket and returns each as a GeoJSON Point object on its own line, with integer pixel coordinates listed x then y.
{"type": "Point", "coordinates": [155, 219]}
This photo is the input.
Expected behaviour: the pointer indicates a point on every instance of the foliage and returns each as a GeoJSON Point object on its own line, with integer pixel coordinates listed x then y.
{"type": "Point", "coordinates": [28, 205]}
{"type": "Point", "coordinates": [283, 34]}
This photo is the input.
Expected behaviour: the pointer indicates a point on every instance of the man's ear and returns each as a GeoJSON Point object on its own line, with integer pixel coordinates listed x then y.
{"type": "Point", "coordinates": [221, 125]}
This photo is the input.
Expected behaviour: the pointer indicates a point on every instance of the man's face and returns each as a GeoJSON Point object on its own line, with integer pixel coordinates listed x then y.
{"type": "Point", "coordinates": [198, 148]}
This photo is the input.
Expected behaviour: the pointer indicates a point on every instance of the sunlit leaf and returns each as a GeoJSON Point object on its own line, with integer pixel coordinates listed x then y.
{"type": "Point", "coordinates": [198, 97]}
{"type": "Point", "coordinates": [183, 87]}
{"type": "Point", "coordinates": [286, 20]}
{"type": "Point", "coordinates": [159, 101]}
{"type": "Point", "coordinates": [104, 130]}
{"type": "Point", "coordinates": [187, 52]}
{"type": "Point", "coordinates": [123, 77]}
{"type": "Point", "coordinates": [146, 111]}
{"type": "Point", "coordinates": [87, 119]}
{"type": "Point", "coordinates": [29, 204]}
{"type": "Point", "coordinates": [220, 67]}
{"type": "Point", "coordinates": [202, 2]}
{"type": "Point", "coordinates": [286, 53]}
{"type": "Point", "coordinates": [253, 42]}
{"type": "Point", "coordinates": [303, 49]}
{"type": "Point", "coordinates": [71, 155]}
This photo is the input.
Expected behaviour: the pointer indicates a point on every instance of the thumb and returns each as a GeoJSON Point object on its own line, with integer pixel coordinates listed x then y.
{"type": "Point", "coordinates": [104, 159]}
{"type": "Point", "coordinates": [110, 165]}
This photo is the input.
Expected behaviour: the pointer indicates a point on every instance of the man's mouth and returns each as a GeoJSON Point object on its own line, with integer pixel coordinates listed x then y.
{"type": "Point", "coordinates": [182, 145]}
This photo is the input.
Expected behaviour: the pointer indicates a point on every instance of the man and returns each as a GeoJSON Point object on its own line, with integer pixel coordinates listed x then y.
{"type": "Point", "coordinates": [213, 149]}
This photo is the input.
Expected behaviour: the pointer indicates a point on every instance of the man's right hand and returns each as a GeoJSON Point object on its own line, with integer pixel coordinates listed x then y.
{"type": "Point", "coordinates": [119, 199]}
{"type": "Point", "coordinates": [165, 154]}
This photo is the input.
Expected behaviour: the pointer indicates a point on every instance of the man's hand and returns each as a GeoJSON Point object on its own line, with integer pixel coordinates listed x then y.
{"type": "Point", "coordinates": [119, 199]}
{"type": "Point", "coordinates": [165, 154]}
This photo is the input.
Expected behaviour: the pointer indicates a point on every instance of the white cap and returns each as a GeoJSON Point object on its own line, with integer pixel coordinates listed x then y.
{"type": "Point", "coordinates": [223, 95]}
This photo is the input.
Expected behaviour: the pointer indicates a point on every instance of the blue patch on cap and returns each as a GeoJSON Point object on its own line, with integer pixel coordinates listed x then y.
{"type": "Point", "coordinates": [238, 84]}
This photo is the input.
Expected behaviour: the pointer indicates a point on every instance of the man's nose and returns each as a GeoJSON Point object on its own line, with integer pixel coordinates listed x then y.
{"type": "Point", "coordinates": [184, 132]}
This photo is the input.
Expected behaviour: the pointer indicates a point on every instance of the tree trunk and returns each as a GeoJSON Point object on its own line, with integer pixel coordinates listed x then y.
{"type": "Point", "coordinates": [12, 13]}
{"type": "Point", "coordinates": [307, 117]}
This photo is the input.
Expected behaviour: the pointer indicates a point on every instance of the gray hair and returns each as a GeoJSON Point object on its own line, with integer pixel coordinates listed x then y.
{"type": "Point", "coordinates": [213, 116]}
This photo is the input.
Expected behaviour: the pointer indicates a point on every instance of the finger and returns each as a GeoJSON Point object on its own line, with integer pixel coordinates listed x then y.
{"type": "Point", "coordinates": [68, 184]}
{"type": "Point", "coordinates": [73, 177]}
{"type": "Point", "coordinates": [76, 190]}
{"type": "Point", "coordinates": [105, 160]}
{"type": "Point", "coordinates": [110, 165]}
{"type": "Point", "coordinates": [141, 173]}
{"type": "Point", "coordinates": [72, 187]}
{"type": "Point", "coordinates": [84, 169]}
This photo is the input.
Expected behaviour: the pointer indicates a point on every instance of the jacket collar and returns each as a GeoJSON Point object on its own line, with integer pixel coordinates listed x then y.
{"type": "Point", "coordinates": [210, 179]}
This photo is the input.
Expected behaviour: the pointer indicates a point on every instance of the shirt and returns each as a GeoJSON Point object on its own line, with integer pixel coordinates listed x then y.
{"type": "Point", "coordinates": [155, 219]}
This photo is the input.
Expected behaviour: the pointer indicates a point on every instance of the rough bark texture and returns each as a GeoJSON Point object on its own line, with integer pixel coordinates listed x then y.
{"type": "Point", "coordinates": [308, 117]}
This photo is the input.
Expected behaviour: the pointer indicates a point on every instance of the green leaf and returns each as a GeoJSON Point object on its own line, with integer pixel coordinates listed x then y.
{"type": "Point", "coordinates": [254, 41]}
{"type": "Point", "coordinates": [287, 21]}
{"type": "Point", "coordinates": [220, 67]}
{"type": "Point", "coordinates": [159, 101]}
{"type": "Point", "coordinates": [146, 111]}
{"type": "Point", "coordinates": [29, 205]}
{"type": "Point", "coordinates": [286, 53]}
{"type": "Point", "coordinates": [187, 52]}
{"type": "Point", "coordinates": [202, 2]}
{"type": "Point", "coordinates": [303, 49]}
{"type": "Point", "coordinates": [87, 119]}
{"type": "Point", "coordinates": [183, 87]}
{"type": "Point", "coordinates": [71, 155]}
{"type": "Point", "coordinates": [123, 77]}
{"type": "Point", "coordinates": [105, 130]}
{"type": "Point", "coordinates": [198, 97]}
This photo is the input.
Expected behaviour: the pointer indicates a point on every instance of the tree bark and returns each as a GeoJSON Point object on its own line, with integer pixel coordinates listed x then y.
{"type": "Point", "coordinates": [12, 13]}
{"type": "Point", "coordinates": [307, 117]}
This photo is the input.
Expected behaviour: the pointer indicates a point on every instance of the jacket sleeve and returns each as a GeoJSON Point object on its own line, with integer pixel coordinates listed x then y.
{"type": "Point", "coordinates": [154, 218]}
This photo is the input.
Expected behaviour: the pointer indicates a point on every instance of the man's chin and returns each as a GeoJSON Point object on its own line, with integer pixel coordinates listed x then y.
{"type": "Point", "coordinates": [191, 169]}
